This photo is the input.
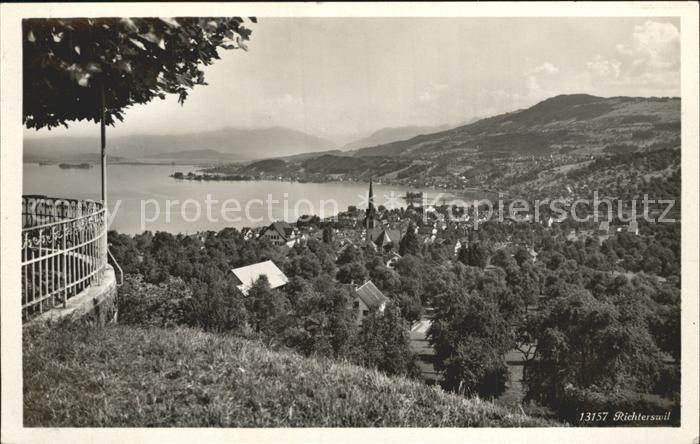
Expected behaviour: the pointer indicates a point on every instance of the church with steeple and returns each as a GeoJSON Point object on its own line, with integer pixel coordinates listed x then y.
{"type": "Point", "coordinates": [381, 237]}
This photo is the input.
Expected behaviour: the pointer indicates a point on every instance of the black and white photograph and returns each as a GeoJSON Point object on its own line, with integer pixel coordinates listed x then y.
{"type": "Point", "coordinates": [309, 216]}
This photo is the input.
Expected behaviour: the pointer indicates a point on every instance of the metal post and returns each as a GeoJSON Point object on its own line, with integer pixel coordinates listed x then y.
{"type": "Point", "coordinates": [103, 145]}
{"type": "Point", "coordinates": [64, 256]}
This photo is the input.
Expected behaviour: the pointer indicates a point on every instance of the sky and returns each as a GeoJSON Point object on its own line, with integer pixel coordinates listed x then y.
{"type": "Point", "coordinates": [343, 78]}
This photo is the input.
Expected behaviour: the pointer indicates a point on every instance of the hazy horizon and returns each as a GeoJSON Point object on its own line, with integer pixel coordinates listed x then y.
{"type": "Point", "coordinates": [344, 78]}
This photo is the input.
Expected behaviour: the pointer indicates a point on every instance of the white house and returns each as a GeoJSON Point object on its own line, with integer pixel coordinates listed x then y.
{"type": "Point", "coordinates": [250, 273]}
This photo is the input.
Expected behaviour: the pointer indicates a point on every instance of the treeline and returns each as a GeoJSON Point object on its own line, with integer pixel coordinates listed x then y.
{"type": "Point", "coordinates": [206, 176]}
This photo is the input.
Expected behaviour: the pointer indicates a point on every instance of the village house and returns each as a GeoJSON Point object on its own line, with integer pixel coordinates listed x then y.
{"type": "Point", "coordinates": [368, 298]}
{"type": "Point", "coordinates": [345, 220]}
{"type": "Point", "coordinates": [249, 274]}
{"type": "Point", "coordinates": [279, 233]}
{"type": "Point", "coordinates": [460, 243]}
{"type": "Point", "coordinates": [391, 262]}
{"type": "Point", "coordinates": [384, 238]}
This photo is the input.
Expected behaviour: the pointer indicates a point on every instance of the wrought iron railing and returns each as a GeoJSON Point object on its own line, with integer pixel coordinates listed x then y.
{"type": "Point", "coordinates": [64, 250]}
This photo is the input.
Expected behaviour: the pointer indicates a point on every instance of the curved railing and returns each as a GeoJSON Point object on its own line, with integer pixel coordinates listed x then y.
{"type": "Point", "coordinates": [64, 250]}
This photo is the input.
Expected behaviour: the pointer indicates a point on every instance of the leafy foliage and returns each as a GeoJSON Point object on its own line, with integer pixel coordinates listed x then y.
{"type": "Point", "coordinates": [591, 344]}
{"type": "Point", "coordinates": [409, 242]}
{"type": "Point", "coordinates": [68, 62]}
{"type": "Point", "coordinates": [471, 336]}
{"type": "Point", "coordinates": [474, 254]}
{"type": "Point", "coordinates": [383, 343]}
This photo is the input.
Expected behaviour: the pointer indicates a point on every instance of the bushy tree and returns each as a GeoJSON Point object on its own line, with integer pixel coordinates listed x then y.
{"type": "Point", "coordinates": [216, 306]}
{"type": "Point", "coordinates": [266, 307]}
{"type": "Point", "coordinates": [349, 254]}
{"type": "Point", "coordinates": [474, 254]}
{"type": "Point", "coordinates": [144, 304]}
{"type": "Point", "coordinates": [471, 338]}
{"type": "Point", "coordinates": [328, 234]}
{"type": "Point", "coordinates": [409, 243]}
{"type": "Point", "coordinates": [587, 344]}
{"type": "Point", "coordinates": [383, 343]}
{"type": "Point", "coordinates": [312, 334]}
{"type": "Point", "coordinates": [304, 264]}
{"type": "Point", "coordinates": [353, 272]}
{"type": "Point", "coordinates": [386, 279]}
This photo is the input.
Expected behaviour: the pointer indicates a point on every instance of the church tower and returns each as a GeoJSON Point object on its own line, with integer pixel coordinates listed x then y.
{"type": "Point", "coordinates": [371, 213]}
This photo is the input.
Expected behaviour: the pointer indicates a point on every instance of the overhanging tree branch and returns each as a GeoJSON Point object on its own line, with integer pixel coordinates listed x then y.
{"type": "Point", "coordinates": [66, 62]}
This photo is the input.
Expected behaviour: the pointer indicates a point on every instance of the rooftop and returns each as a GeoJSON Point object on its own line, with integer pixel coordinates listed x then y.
{"type": "Point", "coordinates": [370, 295]}
{"type": "Point", "coordinates": [250, 273]}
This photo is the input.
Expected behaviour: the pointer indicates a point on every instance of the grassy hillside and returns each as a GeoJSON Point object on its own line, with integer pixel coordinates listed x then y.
{"type": "Point", "coordinates": [116, 376]}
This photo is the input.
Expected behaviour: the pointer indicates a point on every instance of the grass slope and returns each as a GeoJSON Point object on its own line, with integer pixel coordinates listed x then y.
{"type": "Point", "coordinates": [83, 376]}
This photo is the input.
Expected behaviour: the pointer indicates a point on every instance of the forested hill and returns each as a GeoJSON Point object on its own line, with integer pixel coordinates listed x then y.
{"type": "Point", "coordinates": [538, 144]}
{"type": "Point", "coordinates": [566, 123]}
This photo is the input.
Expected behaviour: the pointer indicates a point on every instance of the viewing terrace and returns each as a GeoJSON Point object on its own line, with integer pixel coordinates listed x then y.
{"type": "Point", "coordinates": [64, 256]}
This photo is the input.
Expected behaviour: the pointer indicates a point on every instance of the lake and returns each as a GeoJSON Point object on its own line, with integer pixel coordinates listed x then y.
{"type": "Point", "coordinates": [143, 197]}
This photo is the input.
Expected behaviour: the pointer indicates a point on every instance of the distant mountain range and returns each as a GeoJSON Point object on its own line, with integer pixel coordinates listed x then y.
{"type": "Point", "coordinates": [578, 122]}
{"type": "Point", "coordinates": [387, 135]}
{"type": "Point", "coordinates": [569, 125]}
{"type": "Point", "coordinates": [531, 145]}
{"type": "Point", "coordinates": [226, 145]}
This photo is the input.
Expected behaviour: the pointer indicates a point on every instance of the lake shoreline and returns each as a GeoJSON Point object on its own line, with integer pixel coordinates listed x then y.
{"type": "Point", "coordinates": [142, 197]}
{"type": "Point", "coordinates": [196, 167]}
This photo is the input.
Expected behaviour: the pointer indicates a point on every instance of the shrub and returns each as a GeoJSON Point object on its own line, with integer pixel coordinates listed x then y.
{"type": "Point", "coordinates": [142, 303]}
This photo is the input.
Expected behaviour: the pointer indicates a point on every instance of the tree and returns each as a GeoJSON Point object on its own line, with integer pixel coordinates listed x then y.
{"type": "Point", "coordinates": [411, 307]}
{"type": "Point", "coordinates": [312, 310]}
{"type": "Point", "coordinates": [265, 306]}
{"type": "Point", "coordinates": [409, 243]}
{"type": "Point", "coordinates": [93, 69]}
{"type": "Point", "coordinates": [144, 304]}
{"type": "Point", "coordinates": [587, 345]}
{"type": "Point", "coordinates": [328, 234]}
{"type": "Point", "coordinates": [353, 272]}
{"type": "Point", "coordinates": [384, 277]}
{"type": "Point", "coordinates": [474, 255]}
{"type": "Point", "coordinates": [502, 258]}
{"type": "Point", "coordinates": [471, 338]}
{"type": "Point", "coordinates": [304, 264]}
{"type": "Point", "coordinates": [521, 256]}
{"type": "Point", "coordinates": [349, 254]}
{"type": "Point", "coordinates": [216, 306]}
{"type": "Point", "coordinates": [68, 64]}
{"type": "Point", "coordinates": [383, 343]}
